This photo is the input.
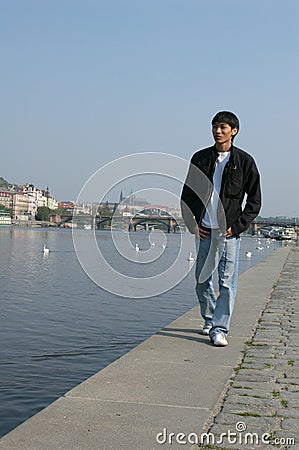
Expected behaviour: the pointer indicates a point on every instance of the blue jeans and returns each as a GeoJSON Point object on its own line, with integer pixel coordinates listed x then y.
{"type": "Point", "coordinates": [222, 254]}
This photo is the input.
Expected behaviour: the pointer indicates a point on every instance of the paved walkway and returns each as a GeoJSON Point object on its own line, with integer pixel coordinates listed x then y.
{"type": "Point", "coordinates": [264, 395]}
{"type": "Point", "coordinates": [166, 390]}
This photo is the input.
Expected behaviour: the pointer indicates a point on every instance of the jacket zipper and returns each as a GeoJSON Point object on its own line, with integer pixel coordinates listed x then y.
{"type": "Point", "coordinates": [223, 181]}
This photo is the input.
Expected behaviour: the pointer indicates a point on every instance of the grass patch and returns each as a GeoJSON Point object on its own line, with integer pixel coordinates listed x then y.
{"type": "Point", "coordinates": [276, 394]}
{"type": "Point", "coordinates": [270, 437]}
{"type": "Point", "coordinates": [249, 414]}
{"type": "Point", "coordinates": [243, 387]}
{"type": "Point", "coordinates": [254, 396]}
{"type": "Point", "coordinates": [284, 403]}
{"type": "Point", "coordinates": [252, 344]}
{"type": "Point", "coordinates": [291, 362]}
{"type": "Point", "coordinates": [210, 446]}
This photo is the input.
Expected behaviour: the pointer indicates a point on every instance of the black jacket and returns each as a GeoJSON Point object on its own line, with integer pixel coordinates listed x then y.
{"type": "Point", "coordinates": [240, 178]}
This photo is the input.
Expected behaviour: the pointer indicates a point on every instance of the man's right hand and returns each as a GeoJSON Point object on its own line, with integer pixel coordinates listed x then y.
{"type": "Point", "coordinates": [200, 233]}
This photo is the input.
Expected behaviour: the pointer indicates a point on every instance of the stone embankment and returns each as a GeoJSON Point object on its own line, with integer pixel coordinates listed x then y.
{"type": "Point", "coordinates": [263, 398]}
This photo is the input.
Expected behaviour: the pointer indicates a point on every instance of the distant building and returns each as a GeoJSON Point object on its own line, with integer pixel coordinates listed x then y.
{"type": "Point", "coordinates": [55, 218]}
{"type": "Point", "coordinates": [131, 200]}
{"type": "Point", "coordinates": [6, 199]}
{"type": "Point", "coordinates": [5, 218]}
{"type": "Point", "coordinates": [20, 206]}
{"type": "Point", "coordinates": [43, 198]}
{"type": "Point", "coordinates": [67, 205]}
{"type": "Point", "coordinates": [84, 208]}
{"type": "Point", "coordinates": [24, 200]}
{"type": "Point", "coordinates": [126, 212]}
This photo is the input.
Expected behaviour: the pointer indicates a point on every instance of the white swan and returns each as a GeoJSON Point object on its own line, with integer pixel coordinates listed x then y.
{"type": "Point", "coordinates": [45, 250]}
{"type": "Point", "coordinates": [248, 254]}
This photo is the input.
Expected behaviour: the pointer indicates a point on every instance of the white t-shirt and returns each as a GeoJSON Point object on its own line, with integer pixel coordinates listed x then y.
{"type": "Point", "coordinates": [210, 218]}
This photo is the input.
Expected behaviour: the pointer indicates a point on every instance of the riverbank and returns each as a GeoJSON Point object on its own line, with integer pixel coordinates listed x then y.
{"type": "Point", "coordinates": [171, 383]}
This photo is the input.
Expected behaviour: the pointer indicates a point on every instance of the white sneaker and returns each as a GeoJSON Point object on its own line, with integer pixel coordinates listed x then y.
{"type": "Point", "coordinates": [206, 330]}
{"type": "Point", "coordinates": [219, 340]}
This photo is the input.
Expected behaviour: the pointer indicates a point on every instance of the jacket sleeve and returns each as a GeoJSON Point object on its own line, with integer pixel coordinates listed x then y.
{"type": "Point", "coordinates": [191, 205]}
{"type": "Point", "coordinates": [253, 201]}
{"type": "Point", "coordinates": [186, 208]}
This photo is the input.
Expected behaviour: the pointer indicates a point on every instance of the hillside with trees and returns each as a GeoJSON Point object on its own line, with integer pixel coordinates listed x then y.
{"type": "Point", "coordinates": [3, 182]}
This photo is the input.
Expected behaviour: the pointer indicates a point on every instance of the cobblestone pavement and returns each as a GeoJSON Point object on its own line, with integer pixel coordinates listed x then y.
{"type": "Point", "coordinates": [262, 402]}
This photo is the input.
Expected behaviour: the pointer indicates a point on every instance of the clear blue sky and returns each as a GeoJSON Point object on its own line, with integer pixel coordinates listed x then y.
{"type": "Point", "coordinates": [85, 82]}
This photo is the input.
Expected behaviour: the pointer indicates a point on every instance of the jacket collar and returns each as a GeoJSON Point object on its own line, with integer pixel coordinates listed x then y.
{"type": "Point", "coordinates": [232, 158]}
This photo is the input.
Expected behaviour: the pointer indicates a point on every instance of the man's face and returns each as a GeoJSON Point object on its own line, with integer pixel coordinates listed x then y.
{"type": "Point", "coordinates": [223, 133]}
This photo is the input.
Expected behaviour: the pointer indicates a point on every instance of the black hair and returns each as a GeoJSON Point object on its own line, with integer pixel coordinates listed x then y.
{"type": "Point", "coordinates": [227, 117]}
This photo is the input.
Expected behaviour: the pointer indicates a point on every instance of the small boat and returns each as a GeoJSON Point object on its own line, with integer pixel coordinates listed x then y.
{"type": "Point", "coordinates": [191, 257]}
{"type": "Point", "coordinates": [45, 250]}
{"type": "Point", "coordinates": [164, 246]}
{"type": "Point", "coordinates": [137, 248]}
{"type": "Point", "coordinates": [248, 254]}
{"type": "Point", "coordinates": [260, 248]}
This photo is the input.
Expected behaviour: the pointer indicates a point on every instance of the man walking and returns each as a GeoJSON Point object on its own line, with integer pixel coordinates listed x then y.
{"type": "Point", "coordinates": [219, 179]}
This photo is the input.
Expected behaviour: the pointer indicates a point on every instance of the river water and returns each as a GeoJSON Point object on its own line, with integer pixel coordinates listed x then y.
{"type": "Point", "coordinates": [57, 327]}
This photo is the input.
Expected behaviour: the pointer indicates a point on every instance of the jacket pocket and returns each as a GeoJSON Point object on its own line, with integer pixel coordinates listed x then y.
{"type": "Point", "coordinates": [234, 183]}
